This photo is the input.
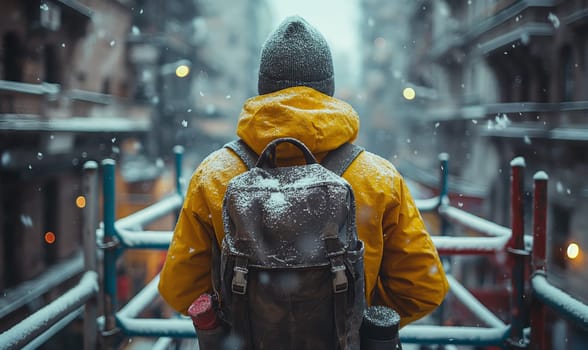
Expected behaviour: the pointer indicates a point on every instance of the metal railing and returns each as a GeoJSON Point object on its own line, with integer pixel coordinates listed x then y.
{"type": "Point", "coordinates": [39, 327]}
{"type": "Point", "coordinates": [125, 234]}
{"type": "Point", "coordinates": [525, 250]}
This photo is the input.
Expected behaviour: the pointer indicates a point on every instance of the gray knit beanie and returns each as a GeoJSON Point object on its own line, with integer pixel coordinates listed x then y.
{"type": "Point", "coordinates": [296, 54]}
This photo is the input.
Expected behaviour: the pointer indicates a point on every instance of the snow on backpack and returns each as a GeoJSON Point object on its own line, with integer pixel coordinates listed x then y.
{"type": "Point", "coordinates": [291, 265]}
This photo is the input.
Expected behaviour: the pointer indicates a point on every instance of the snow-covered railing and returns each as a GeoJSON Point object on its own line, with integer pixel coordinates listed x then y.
{"type": "Point", "coordinates": [128, 227]}
{"type": "Point", "coordinates": [488, 238]}
{"type": "Point", "coordinates": [26, 292]}
{"type": "Point", "coordinates": [80, 300]}
{"type": "Point", "coordinates": [132, 326]}
{"type": "Point", "coordinates": [128, 233]}
{"type": "Point", "coordinates": [544, 293]}
{"type": "Point", "coordinates": [39, 327]}
{"type": "Point", "coordinates": [495, 239]}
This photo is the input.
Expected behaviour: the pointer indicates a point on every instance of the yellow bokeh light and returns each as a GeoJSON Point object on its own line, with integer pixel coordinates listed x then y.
{"type": "Point", "coordinates": [409, 93]}
{"type": "Point", "coordinates": [81, 202]}
{"type": "Point", "coordinates": [182, 71]}
{"type": "Point", "coordinates": [50, 237]}
{"type": "Point", "coordinates": [573, 250]}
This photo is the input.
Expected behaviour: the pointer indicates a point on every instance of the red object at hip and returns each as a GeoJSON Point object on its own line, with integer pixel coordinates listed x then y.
{"type": "Point", "coordinates": [202, 313]}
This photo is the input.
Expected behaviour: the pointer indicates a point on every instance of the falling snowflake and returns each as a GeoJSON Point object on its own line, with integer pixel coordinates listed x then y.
{"type": "Point", "coordinates": [554, 20]}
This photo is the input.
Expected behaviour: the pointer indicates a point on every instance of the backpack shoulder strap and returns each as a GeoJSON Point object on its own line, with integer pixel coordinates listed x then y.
{"type": "Point", "coordinates": [339, 159]}
{"type": "Point", "coordinates": [247, 155]}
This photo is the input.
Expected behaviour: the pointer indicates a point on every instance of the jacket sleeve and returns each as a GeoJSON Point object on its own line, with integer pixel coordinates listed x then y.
{"type": "Point", "coordinates": [411, 280]}
{"type": "Point", "coordinates": [186, 271]}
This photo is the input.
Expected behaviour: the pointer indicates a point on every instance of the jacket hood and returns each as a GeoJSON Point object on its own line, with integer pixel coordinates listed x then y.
{"type": "Point", "coordinates": [321, 122]}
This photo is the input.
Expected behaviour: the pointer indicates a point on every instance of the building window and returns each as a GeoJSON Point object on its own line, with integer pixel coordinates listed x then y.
{"type": "Point", "coordinates": [52, 66]}
{"type": "Point", "coordinates": [560, 227]}
{"type": "Point", "coordinates": [106, 86]}
{"type": "Point", "coordinates": [567, 75]}
{"type": "Point", "coordinates": [12, 57]}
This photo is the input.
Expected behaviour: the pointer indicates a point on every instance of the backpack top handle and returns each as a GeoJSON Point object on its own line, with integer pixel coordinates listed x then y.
{"type": "Point", "coordinates": [268, 155]}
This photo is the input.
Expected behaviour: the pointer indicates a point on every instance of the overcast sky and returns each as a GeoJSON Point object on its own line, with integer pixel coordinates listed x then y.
{"type": "Point", "coordinates": [337, 20]}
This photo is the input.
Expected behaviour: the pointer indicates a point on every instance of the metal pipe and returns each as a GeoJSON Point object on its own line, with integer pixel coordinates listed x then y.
{"type": "Point", "coordinates": [473, 222]}
{"type": "Point", "coordinates": [444, 175]}
{"type": "Point", "coordinates": [179, 155]}
{"type": "Point", "coordinates": [163, 343]}
{"type": "Point", "coordinates": [55, 328]}
{"type": "Point", "coordinates": [427, 205]}
{"type": "Point", "coordinates": [473, 304]}
{"type": "Point", "coordinates": [149, 214]}
{"type": "Point", "coordinates": [444, 224]}
{"type": "Point", "coordinates": [156, 327]}
{"type": "Point", "coordinates": [110, 245]}
{"type": "Point", "coordinates": [564, 304]}
{"type": "Point", "coordinates": [133, 326]}
{"type": "Point", "coordinates": [126, 228]}
{"type": "Point", "coordinates": [145, 239]}
{"type": "Point", "coordinates": [28, 291]}
{"type": "Point", "coordinates": [41, 321]}
{"type": "Point", "coordinates": [89, 214]}
{"type": "Point", "coordinates": [419, 334]}
{"type": "Point", "coordinates": [444, 195]}
{"type": "Point", "coordinates": [539, 257]}
{"type": "Point", "coordinates": [425, 334]}
{"type": "Point", "coordinates": [518, 253]}
{"type": "Point", "coordinates": [450, 245]}
{"type": "Point", "coordinates": [142, 300]}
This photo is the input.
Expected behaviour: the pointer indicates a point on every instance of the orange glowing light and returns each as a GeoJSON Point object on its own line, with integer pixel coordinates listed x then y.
{"type": "Point", "coordinates": [81, 202]}
{"type": "Point", "coordinates": [50, 237]}
{"type": "Point", "coordinates": [573, 250]}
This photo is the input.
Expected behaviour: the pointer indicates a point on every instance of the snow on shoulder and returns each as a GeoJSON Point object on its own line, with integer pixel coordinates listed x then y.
{"type": "Point", "coordinates": [286, 177]}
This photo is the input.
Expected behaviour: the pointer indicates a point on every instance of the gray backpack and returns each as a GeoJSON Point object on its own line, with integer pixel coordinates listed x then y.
{"type": "Point", "coordinates": [291, 265]}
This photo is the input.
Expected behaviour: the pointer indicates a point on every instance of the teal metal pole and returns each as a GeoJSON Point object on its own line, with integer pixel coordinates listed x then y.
{"type": "Point", "coordinates": [444, 171]}
{"type": "Point", "coordinates": [89, 215]}
{"type": "Point", "coordinates": [444, 223]}
{"type": "Point", "coordinates": [179, 155]}
{"type": "Point", "coordinates": [109, 245]}
{"type": "Point", "coordinates": [443, 191]}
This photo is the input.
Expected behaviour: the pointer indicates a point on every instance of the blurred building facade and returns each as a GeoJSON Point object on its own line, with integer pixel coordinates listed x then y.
{"type": "Point", "coordinates": [229, 57]}
{"type": "Point", "coordinates": [93, 79]}
{"type": "Point", "coordinates": [492, 80]}
{"type": "Point", "coordinates": [64, 100]}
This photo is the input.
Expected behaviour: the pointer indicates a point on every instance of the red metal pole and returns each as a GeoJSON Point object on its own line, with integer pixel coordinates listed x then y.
{"type": "Point", "coordinates": [518, 253]}
{"type": "Point", "coordinates": [538, 327]}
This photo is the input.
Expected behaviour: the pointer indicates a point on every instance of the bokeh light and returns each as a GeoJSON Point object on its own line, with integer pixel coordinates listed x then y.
{"type": "Point", "coordinates": [81, 202]}
{"type": "Point", "coordinates": [182, 71]}
{"type": "Point", "coordinates": [50, 237]}
{"type": "Point", "coordinates": [408, 93]}
{"type": "Point", "coordinates": [573, 250]}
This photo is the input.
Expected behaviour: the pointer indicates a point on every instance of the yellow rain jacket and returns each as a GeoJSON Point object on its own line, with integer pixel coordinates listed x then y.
{"type": "Point", "coordinates": [402, 267]}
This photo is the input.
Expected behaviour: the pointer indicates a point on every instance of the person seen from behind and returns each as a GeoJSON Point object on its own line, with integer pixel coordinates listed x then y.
{"type": "Point", "coordinates": [296, 86]}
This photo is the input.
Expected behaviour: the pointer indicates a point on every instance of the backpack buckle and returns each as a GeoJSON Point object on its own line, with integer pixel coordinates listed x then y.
{"type": "Point", "coordinates": [340, 282]}
{"type": "Point", "coordinates": [239, 282]}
